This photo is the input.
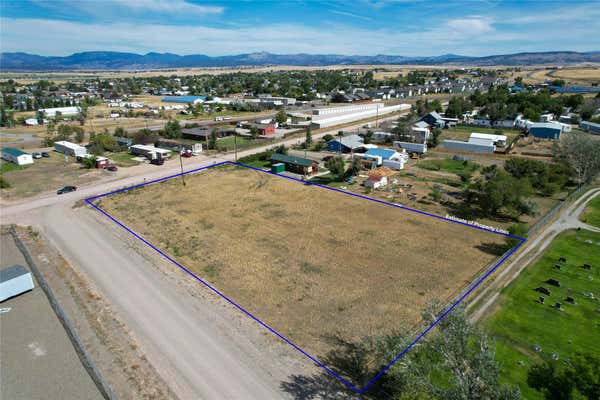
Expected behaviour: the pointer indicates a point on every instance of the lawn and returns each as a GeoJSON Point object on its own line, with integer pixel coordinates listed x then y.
{"type": "Point", "coordinates": [448, 165]}
{"type": "Point", "coordinates": [309, 261]}
{"type": "Point", "coordinates": [521, 321]}
{"type": "Point", "coordinates": [591, 214]}
{"type": "Point", "coordinates": [123, 159]}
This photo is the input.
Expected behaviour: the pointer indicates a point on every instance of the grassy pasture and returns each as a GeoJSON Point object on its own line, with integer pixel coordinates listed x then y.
{"type": "Point", "coordinates": [521, 321]}
{"type": "Point", "coordinates": [310, 262]}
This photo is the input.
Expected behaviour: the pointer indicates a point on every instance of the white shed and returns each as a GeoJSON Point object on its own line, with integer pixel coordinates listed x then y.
{"type": "Point", "coordinates": [14, 281]}
{"type": "Point", "coordinates": [16, 156]}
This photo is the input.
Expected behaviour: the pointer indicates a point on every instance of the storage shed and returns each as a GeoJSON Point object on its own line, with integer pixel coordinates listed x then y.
{"type": "Point", "coordinates": [14, 281]}
{"type": "Point", "coordinates": [545, 130]}
{"type": "Point", "coordinates": [16, 156]}
{"type": "Point", "coordinates": [346, 144]}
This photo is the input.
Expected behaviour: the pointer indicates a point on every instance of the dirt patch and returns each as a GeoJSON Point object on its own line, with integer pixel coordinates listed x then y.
{"type": "Point", "coordinates": [108, 340]}
{"type": "Point", "coordinates": [310, 262]}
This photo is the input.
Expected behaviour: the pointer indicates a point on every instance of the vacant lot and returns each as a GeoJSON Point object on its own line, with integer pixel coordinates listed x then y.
{"type": "Point", "coordinates": [522, 322]}
{"type": "Point", "coordinates": [310, 262]}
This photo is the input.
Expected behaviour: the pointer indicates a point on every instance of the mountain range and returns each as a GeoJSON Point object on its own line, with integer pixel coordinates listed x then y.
{"type": "Point", "coordinates": [110, 60]}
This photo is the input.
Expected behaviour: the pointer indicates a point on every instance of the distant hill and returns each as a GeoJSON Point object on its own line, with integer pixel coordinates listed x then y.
{"type": "Point", "coordinates": [110, 60]}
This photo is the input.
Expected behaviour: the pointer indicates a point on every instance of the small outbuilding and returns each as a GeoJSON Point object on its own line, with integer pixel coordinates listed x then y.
{"type": "Point", "coordinates": [14, 281]}
{"type": "Point", "coordinates": [297, 165]}
{"type": "Point", "coordinates": [69, 148]}
{"type": "Point", "coordinates": [375, 181]}
{"type": "Point", "coordinates": [16, 156]}
{"type": "Point", "coordinates": [346, 144]}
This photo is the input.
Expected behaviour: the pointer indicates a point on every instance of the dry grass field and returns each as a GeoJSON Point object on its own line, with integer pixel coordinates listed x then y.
{"type": "Point", "coordinates": [310, 262]}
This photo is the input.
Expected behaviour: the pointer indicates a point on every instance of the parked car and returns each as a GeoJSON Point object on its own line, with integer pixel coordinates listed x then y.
{"type": "Point", "coordinates": [45, 154]}
{"type": "Point", "coordinates": [36, 155]}
{"type": "Point", "coordinates": [66, 189]}
{"type": "Point", "coordinates": [186, 155]}
{"type": "Point", "coordinates": [111, 168]}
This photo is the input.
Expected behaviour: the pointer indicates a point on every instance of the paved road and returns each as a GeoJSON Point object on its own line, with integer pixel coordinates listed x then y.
{"type": "Point", "coordinates": [200, 346]}
{"type": "Point", "coordinates": [568, 219]}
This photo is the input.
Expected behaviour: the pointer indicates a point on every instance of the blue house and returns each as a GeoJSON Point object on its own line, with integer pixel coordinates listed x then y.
{"type": "Point", "coordinates": [545, 130]}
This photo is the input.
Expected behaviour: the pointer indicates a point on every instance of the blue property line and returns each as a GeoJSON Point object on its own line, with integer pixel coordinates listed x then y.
{"type": "Point", "coordinates": [90, 200]}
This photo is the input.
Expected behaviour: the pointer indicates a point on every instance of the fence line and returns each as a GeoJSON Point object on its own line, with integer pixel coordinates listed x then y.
{"type": "Point", "coordinates": [555, 210]}
{"type": "Point", "coordinates": [85, 358]}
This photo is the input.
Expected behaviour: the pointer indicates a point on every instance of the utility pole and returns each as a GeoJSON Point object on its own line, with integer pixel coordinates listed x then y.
{"type": "Point", "coordinates": [181, 164]}
{"type": "Point", "coordinates": [235, 145]}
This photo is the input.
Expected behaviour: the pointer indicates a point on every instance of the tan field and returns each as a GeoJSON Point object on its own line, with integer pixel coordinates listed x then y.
{"type": "Point", "coordinates": [309, 262]}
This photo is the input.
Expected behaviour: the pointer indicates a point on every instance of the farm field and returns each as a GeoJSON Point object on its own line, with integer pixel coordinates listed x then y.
{"type": "Point", "coordinates": [310, 262]}
{"type": "Point", "coordinates": [591, 214]}
{"type": "Point", "coordinates": [521, 322]}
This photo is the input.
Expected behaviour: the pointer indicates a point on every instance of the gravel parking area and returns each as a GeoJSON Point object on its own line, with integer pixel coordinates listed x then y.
{"type": "Point", "coordinates": [37, 360]}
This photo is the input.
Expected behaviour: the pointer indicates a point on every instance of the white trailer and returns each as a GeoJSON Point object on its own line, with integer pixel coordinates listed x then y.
{"type": "Point", "coordinates": [70, 149]}
{"type": "Point", "coordinates": [14, 281]}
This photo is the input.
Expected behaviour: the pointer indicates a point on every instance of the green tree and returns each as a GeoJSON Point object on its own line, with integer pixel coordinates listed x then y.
{"type": "Point", "coordinates": [336, 166]}
{"type": "Point", "coordinates": [434, 138]}
{"type": "Point", "coordinates": [212, 142]}
{"type": "Point", "coordinates": [582, 153]}
{"type": "Point", "coordinates": [79, 134]}
{"type": "Point", "coordinates": [281, 117]}
{"type": "Point", "coordinates": [172, 129]}
{"type": "Point", "coordinates": [578, 379]}
{"type": "Point", "coordinates": [308, 141]}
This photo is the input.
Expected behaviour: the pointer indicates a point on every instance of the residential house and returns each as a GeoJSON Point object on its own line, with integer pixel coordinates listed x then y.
{"type": "Point", "coordinates": [297, 165]}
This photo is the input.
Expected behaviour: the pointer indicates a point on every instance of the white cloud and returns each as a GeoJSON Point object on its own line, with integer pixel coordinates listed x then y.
{"type": "Point", "coordinates": [470, 25]}
{"type": "Point", "coordinates": [470, 38]}
{"type": "Point", "coordinates": [167, 6]}
{"type": "Point", "coordinates": [119, 9]}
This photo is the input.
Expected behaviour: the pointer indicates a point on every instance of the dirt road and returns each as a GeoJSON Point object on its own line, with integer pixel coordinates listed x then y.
{"type": "Point", "coordinates": [568, 219]}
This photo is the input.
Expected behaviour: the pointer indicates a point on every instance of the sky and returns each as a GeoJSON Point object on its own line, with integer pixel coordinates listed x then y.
{"type": "Point", "coordinates": [357, 27]}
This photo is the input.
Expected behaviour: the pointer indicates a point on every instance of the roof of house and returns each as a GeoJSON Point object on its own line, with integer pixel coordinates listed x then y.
{"type": "Point", "coordinates": [436, 115]}
{"type": "Point", "coordinates": [383, 153]}
{"type": "Point", "coordinates": [421, 124]}
{"type": "Point", "coordinates": [351, 141]}
{"type": "Point", "coordinates": [375, 178]}
{"type": "Point", "coordinates": [13, 152]}
{"type": "Point", "coordinates": [13, 272]}
{"type": "Point", "coordinates": [284, 158]}
{"type": "Point", "coordinates": [549, 125]}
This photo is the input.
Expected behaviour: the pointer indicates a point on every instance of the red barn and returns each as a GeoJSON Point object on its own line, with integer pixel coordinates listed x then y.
{"type": "Point", "coordinates": [265, 130]}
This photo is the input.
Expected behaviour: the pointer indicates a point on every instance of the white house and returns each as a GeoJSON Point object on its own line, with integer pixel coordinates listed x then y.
{"type": "Point", "coordinates": [376, 182]}
{"type": "Point", "coordinates": [14, 281]}
{"type": "Point", "coordinates": [16, 156]}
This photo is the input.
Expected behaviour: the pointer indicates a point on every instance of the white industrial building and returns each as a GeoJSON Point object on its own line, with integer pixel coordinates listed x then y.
{"type": "Point", "coordinates": [16, 156]}
{"type": "Point", "coordinates": [70, 149]}
{"type": "Point", "coordinates": [340, 115]}
{"type": "Point", "coordinates": [64, 111]}
{"type": "Point", "coordinates": [14, 281]}
{"type": "Point", "coordinates": [475, 146]}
